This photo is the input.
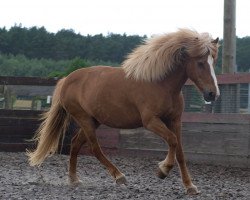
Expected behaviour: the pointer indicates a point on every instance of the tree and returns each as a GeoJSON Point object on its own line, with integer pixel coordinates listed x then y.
{"type": "Point", "coordinates": [75, 64]}
{"type": "Point", "coordinates": [65, 44]}
{"type": "Point", "coordinates": [242, 54]}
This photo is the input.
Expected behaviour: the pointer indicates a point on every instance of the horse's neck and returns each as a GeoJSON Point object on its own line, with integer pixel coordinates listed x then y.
{"type": "Point", "coordinates": [176, 79]}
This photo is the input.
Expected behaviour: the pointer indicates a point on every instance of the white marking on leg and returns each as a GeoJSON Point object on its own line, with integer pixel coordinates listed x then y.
{"type": "Point", "coordinates": [163, 167]}
{"type": "Point", "coordinates": [210, 61]}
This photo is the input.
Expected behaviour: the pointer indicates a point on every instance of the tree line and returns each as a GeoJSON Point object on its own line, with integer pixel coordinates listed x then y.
{"type": "Point", "coordinates": [65, 44]}
{"type": "Point", "coordinates": [36, 52]}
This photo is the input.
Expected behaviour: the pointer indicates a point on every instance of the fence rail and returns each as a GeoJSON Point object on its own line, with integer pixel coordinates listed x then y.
{"type": "Point", "coordinates": [8, 80]}
{"type": "Point", "coordinates": [234, 98]}
{"type": "Point", "coordinates": [229, 79]}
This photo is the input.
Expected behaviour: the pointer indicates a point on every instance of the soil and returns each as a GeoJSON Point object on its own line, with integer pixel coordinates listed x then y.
{"type": "Point", "coordinates": [49, 181]}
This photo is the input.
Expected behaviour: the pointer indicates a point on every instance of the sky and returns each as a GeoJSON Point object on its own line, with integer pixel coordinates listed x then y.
{"type": "Point", "coordinates": [133, 17]}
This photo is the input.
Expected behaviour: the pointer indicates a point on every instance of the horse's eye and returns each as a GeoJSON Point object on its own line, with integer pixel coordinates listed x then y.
{"type": "Point", "coordinates": [201, 64]}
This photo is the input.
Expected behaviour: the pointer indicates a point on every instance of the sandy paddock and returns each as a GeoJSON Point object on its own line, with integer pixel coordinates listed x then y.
{"type": "Point", "coordinates": [20, 181]}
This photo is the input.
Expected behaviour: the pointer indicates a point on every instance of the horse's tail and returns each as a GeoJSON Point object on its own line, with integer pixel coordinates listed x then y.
{"type": "Point", "coordinates": [53, 127]}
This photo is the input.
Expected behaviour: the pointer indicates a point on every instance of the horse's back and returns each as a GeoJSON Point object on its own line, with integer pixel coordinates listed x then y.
{"type": "Point", "coordinates": [102, 93]}
{"type": "Point", "coordinates": [86, 82]}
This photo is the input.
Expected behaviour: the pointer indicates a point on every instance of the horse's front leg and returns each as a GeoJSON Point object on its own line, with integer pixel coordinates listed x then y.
{"type": "Point", "coordinates": [156, 125]}
{"type": "Point", "coordinates": [191, 189]}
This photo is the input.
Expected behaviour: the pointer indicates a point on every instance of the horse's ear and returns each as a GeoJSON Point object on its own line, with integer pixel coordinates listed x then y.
{"type": "Point", "coordinates": [215, 41]}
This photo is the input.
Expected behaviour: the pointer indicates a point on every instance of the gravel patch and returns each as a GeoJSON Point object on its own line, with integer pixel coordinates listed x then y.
{"type": "Point", "coordinates": [20, 181]}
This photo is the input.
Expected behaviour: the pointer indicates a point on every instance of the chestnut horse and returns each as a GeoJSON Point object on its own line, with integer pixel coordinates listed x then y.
{"type": "Point", "coordinates": [145, 91]}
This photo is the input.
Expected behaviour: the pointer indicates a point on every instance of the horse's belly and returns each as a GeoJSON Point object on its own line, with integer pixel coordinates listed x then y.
{"type": "Point", "coordinates": [118, 118]}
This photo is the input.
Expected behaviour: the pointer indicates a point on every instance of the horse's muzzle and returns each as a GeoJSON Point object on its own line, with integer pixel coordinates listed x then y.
{"type": "Point", "coordinates": [209, 96]}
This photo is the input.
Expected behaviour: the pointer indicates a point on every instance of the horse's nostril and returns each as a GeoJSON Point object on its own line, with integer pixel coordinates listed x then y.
{"type": "Point", "coordinates": [209, 96]}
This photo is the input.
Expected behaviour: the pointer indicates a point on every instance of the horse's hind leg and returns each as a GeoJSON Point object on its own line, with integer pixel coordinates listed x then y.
{"type": "Point", "coordinates": [76, 143]}
{"type": "Point", "coordinates": [88, 125]}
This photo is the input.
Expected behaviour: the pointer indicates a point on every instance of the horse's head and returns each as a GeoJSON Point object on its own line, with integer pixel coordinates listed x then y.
{"type": "Point", "coordinates": [201, 71]}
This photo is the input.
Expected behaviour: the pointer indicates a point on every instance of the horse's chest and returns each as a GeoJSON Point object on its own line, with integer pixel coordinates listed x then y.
{"type": "Point", "coordinates": [171, 109]}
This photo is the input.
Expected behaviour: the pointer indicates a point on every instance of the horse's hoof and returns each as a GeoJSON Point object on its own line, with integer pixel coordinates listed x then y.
{"type": "Point", "coordinates": [192, 190]}
{"type": "Point", "coordinates": [163, 169]}
{"type": "Point", "coordinates": [160, 174]}
{"type": "Point", "coordinates": [74, 182]}
{"type": "Point", "coordinates": [121, 180]}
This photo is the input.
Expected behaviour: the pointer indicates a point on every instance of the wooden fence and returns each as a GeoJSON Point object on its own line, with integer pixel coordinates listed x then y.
{"type": "Point", "coordinates": [215, 138]}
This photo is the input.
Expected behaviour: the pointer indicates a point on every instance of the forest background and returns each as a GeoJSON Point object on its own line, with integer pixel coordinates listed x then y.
{"type": "Point", "coordinates": [36, 52]}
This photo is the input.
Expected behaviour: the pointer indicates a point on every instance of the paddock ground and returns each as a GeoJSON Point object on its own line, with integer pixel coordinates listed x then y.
{"type": "Point", "coordinates": [20, 181]}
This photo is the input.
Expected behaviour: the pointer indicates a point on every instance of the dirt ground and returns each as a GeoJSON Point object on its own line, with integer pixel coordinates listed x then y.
{"type": "Point", "coordinates": [20, 181]}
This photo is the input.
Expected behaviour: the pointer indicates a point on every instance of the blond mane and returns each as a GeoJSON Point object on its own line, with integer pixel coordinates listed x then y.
{"type": "Point", "coordinates": [159, 55]}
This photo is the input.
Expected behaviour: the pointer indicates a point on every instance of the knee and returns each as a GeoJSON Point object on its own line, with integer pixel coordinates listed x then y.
{"type": "Point", "coordinates": [180, 157]}
{"type": "Point", "coordinates": [172, 141]}
{"type": "Point", "coordinates": [96, 150]}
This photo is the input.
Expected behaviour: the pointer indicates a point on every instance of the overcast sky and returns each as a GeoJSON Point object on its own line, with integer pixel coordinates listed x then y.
{"type": "Point", "coordinates": [143, 17]}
